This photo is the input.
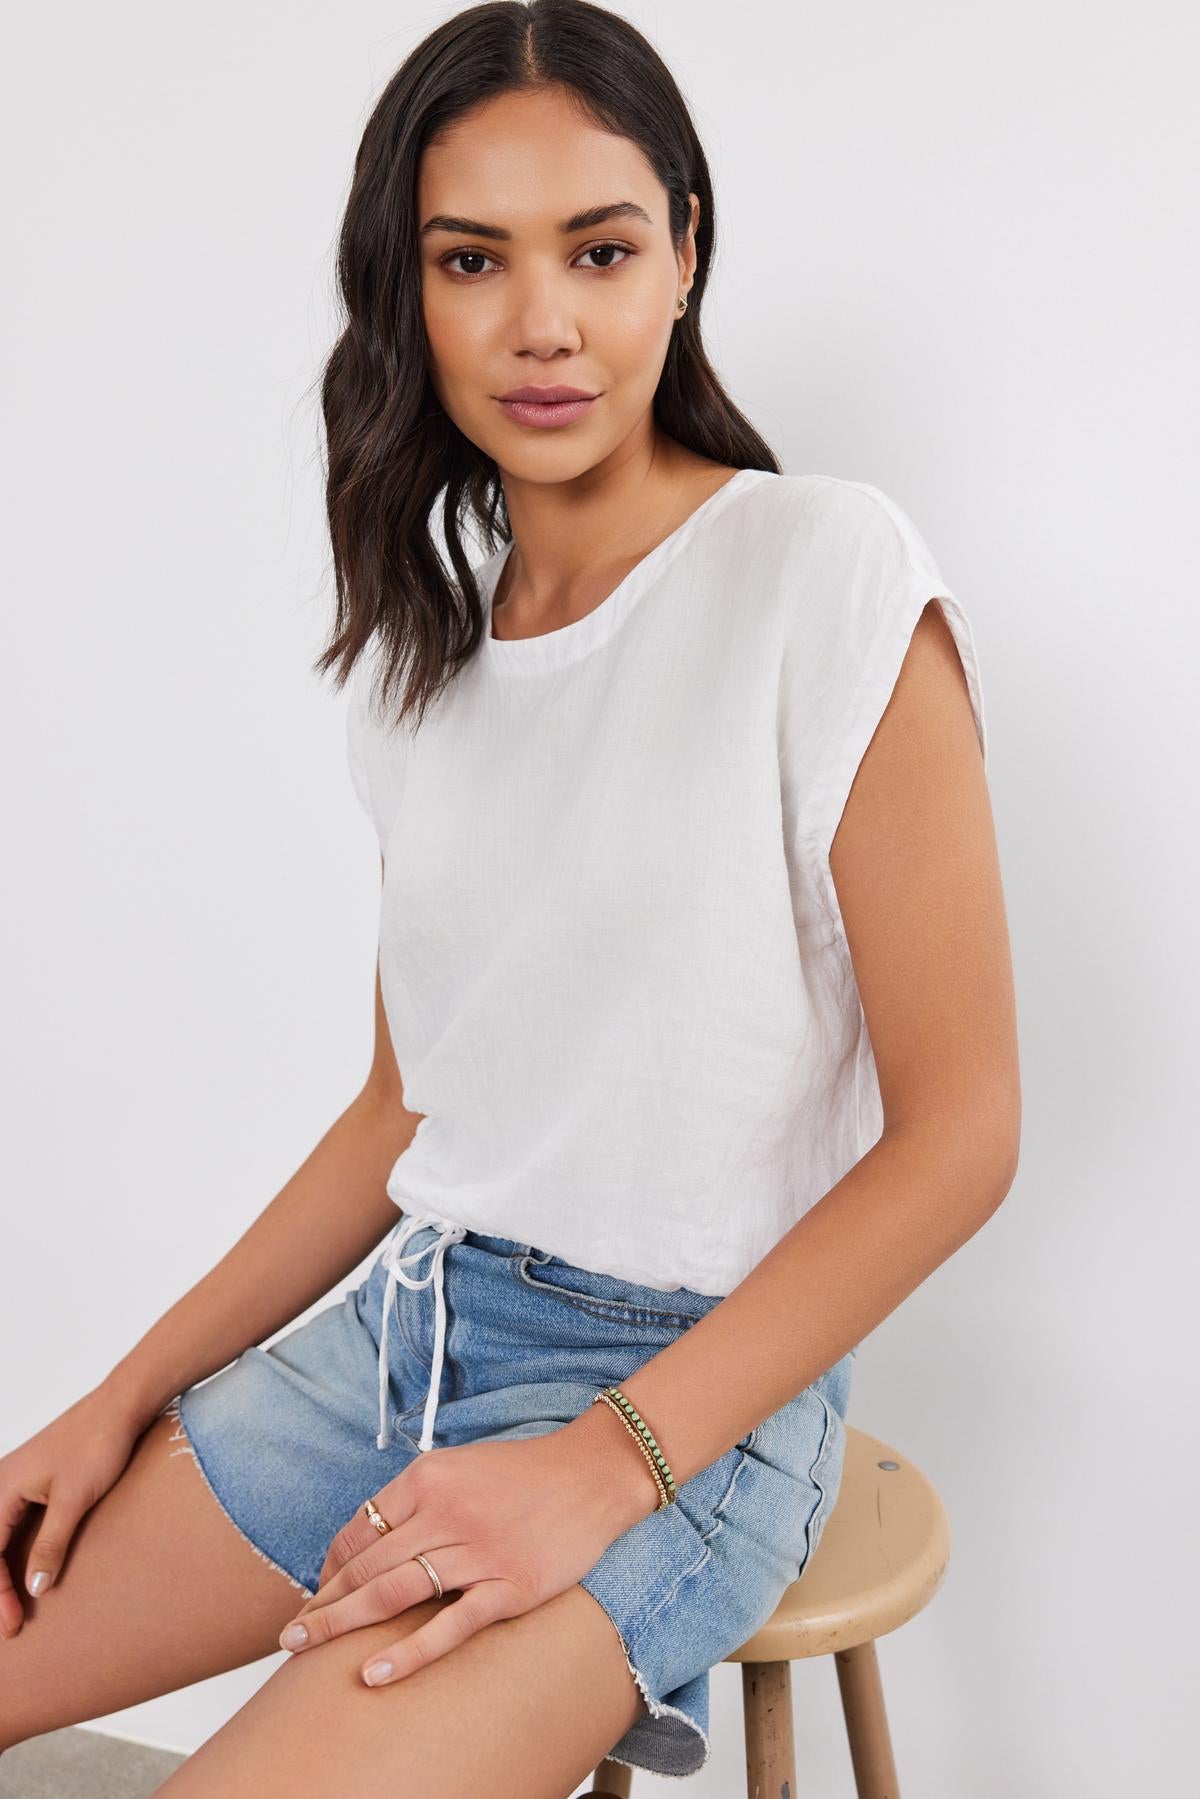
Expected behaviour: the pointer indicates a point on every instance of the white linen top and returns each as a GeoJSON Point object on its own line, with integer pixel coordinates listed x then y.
{"type": "Point", "coordinates": [611, 954]}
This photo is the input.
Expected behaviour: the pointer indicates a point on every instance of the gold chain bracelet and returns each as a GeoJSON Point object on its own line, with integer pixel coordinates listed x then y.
{"type": "Point", "coordinates": [662, 1491]}
{"type": "Point", "coordinates": [645, 1439]}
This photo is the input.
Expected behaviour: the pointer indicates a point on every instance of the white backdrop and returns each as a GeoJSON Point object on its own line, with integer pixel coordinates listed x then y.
{"type": "Point", "coordinates": [958, 260]}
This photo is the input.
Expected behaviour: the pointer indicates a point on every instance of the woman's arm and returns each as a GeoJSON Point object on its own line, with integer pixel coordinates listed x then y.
{"type": "Point", "coordinates": [915, 866]}
{"type": "Point", "coordinates": [330, 1215]}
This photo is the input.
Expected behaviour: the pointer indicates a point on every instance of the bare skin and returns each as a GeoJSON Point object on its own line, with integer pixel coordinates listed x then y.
{"type": "Point", "coordinates": [696, 480]}
{"type": "Point", "coordinates": [160, 1590]}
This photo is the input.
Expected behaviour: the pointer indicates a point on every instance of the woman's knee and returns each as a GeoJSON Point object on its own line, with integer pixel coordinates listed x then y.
{"type": "Point", "coordinates": [157, 1590]}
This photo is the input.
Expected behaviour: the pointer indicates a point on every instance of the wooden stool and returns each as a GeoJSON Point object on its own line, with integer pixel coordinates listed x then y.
{"type": "Point", "coordinates": [880, 1560]}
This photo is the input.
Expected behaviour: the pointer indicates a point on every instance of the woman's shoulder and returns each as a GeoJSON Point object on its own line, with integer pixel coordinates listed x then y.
{"type": "Point", "coordinates": [841, 546]}
{"type": "Point", "coordinates": [833, 507]}
{"type": "Point", "coordinates": [373, 746]}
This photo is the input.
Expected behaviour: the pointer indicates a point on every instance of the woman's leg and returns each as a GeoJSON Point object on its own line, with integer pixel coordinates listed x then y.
{"type": "Point", "coordinates": [159, 1589]}
{"type": "Point", "coordinates": [524, 1709]}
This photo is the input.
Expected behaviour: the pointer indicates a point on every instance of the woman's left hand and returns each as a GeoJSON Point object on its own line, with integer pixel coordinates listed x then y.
{"type": "Point", "coordinates": [508, 1523]}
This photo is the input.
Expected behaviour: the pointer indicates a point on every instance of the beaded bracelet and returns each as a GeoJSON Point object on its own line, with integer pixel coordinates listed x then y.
{"type": "Point", "coordinates": [644, 1437]}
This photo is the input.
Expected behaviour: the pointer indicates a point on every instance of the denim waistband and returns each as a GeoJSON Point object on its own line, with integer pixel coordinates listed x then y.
{"type": "Point", "coordinates": [446, 1233]}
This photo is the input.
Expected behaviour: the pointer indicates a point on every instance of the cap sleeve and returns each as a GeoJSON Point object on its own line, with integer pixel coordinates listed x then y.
{"type": "Point", "coordinates": [866, 575]}
{"type": "Point", "coordinates": [355, 755]}
{"type": "Point", "coordinates": [374, 752]}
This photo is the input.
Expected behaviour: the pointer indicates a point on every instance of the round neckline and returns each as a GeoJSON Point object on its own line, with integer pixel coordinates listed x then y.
{"type": "Point", "coordinates": [554, 649]}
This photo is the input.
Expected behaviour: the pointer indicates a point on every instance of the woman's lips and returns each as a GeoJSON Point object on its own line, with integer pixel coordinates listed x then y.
{"type": "Point", "coordinates": [541, 412]}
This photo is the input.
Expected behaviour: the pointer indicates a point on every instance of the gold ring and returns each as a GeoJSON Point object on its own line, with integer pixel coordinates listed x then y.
{"type": "Point", "coordinates": [376, 1516]}
{"type": "Point", "coordinates": [428, 1569]}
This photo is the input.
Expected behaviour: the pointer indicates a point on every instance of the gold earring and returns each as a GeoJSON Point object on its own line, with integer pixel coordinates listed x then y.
{"type": "Point", "coordinates": [682, 303]}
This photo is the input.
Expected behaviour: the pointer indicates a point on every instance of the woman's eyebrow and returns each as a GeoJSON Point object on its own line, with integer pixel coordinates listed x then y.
{"type": "Point", "coordinates": [579, 221]}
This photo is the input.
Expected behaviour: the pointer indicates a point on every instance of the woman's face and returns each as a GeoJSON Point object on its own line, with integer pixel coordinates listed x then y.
{"type": "Point", "coordinates": [511, 299]}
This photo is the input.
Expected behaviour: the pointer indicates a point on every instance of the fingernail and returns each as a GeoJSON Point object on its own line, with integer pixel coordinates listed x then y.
{"type": "Point", "coordinates": [294, 1637]}
{"type": "Point", "coordinates": [377, 1672]}
{"type": "Point", "coordinates": [38, 1581]}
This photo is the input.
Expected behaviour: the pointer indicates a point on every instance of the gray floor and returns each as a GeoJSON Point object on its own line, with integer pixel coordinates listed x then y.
{"type": "Point", "coordinates": [79, 1763]}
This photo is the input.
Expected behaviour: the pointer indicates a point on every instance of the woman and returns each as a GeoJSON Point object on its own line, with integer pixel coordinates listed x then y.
{"type": "Point", "coordinates": [677, 794]}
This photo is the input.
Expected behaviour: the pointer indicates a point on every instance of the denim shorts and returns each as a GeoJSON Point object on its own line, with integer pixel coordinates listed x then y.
{"type": "Point", "coordinates": [288, 1437]}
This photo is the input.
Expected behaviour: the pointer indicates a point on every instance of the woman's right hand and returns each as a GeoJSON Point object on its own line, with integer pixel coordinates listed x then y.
{"type": "Point", "coordinates": [66, 1467]}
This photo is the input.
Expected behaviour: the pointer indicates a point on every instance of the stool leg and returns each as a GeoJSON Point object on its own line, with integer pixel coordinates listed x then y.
{"type": "Point", "coordinates": [866, 1722]}
{"type": "Point", "coordinates": [767, 1716]}
{"type": "Point", "coordinates": [612, 1780]}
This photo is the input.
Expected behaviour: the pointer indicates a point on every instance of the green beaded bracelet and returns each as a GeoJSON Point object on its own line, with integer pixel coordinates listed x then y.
{"type": "Point", "coordinates": [647, 1435]}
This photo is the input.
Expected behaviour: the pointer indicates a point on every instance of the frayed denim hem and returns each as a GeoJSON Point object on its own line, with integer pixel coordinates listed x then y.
{"type": "Point", "coordinates": [685, 1736]}
{"type": "Point", "coordinates": [188, 1448]}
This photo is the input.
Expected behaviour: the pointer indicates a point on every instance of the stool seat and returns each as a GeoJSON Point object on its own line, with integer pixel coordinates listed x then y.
{"type": "Point", "coordinates": [881, 1558]}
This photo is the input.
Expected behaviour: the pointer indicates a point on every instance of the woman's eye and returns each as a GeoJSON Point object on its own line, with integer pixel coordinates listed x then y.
{"type": "Point", "coordinates": [479, 256]}
{"type": "Point", "coordinates": [467, 255]}
{"type": "Point", "coordinates": [599, 249]}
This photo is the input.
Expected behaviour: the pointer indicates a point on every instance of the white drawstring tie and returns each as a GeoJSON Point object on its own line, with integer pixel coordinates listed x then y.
{"type": "Point", "coordinates": [395, 1264]}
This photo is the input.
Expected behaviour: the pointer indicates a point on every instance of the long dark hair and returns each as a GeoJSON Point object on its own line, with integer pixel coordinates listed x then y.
{"type": "Point", "coordinates": [393, 450]}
